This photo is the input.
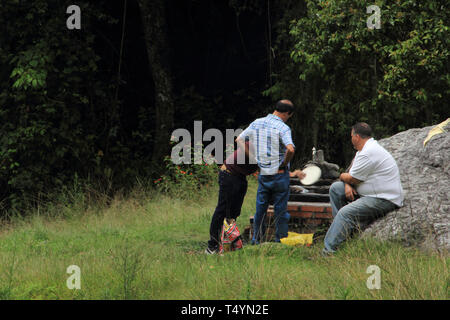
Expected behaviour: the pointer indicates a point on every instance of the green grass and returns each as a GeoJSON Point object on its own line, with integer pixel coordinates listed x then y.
{"type": "Point", "coordinates": [150, 246]}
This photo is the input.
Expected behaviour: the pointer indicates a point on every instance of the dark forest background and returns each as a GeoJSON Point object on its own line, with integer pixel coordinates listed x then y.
{"type": "Point", "coordinates": [99, 104]}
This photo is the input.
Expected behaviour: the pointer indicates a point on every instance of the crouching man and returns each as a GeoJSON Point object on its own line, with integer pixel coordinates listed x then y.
{"type": "Point", "coordinates": [370, 190]}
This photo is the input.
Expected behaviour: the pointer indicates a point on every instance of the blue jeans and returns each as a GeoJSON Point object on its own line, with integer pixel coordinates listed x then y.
{"type": "Point", "coordinates": [275, 187]}
{"type": "Point", "coordinates": [349, 217]}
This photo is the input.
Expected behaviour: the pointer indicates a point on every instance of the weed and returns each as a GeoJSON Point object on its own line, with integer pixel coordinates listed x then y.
{"type": "Point", "coordinates": [6, 291]}
{"type": "Point", "coordinates": [128, 262]}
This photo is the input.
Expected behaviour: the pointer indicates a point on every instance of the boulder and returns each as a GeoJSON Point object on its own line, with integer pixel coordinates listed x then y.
{"type": "Point", "coordinates": [424, 220]}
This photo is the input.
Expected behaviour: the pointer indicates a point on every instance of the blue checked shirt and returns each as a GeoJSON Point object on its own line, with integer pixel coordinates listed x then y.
{"type": "Point", "coordinates": [268, 137]}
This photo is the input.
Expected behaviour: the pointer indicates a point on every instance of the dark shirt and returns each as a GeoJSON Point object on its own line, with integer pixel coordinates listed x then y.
{"type": "Point", "coordinates": [240, 169]}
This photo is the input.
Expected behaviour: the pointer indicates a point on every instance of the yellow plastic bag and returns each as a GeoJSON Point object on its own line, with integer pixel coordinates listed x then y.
{"type": "Point", "coordinates": [294, 239]}
{"type": "Point", "coordinates": [440, 128]}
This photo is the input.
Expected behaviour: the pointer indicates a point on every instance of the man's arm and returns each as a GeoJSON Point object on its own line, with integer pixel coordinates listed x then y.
{"type": "Point", "coordinates": [297, 174]}
{"type": "Point", "coordinates": [241, 145]}
{"type": "Point", "coordinates": [347, 178]}
{"type": "Point", "coordinates": [290, 150]}
{"type": "Point", "coordinates": [350, 191]}
{"type": "Point", "coordinates": [286, 139]}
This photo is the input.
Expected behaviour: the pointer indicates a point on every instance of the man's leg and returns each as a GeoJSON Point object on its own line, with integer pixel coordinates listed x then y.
{"type": "Point", "coordinates": [337, 196]}
{"type": "Point", "coordinates": [281, 197]}
{"type": "Point", "coordinates": [220, 212]}
{"type": "Point", "coordinates": [262, 203]}
{"type": "Point", "coordinates": [237, 195]}
{"type": "Point", "coordinates": [350, 218]}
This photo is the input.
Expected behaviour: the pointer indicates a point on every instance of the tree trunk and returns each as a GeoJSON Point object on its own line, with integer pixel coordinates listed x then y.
{"type": "Point", "coordinates": [153, 14]}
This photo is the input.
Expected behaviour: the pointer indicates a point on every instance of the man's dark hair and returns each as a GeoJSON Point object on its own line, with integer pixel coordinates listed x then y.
{"type": "Point", "coordinates": [363, 130]}
{"type": "Point", "coordinates": [284, 106]}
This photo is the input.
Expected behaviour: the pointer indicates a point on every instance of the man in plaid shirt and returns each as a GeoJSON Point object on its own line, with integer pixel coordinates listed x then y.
{"type": "Point", "coordinates": [272, 146]}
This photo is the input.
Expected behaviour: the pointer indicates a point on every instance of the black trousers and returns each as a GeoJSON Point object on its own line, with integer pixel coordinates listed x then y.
{"type": "Point", "coordinates": [232, 190]}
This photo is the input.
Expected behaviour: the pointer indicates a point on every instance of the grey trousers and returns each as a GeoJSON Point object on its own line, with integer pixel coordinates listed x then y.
{"type": "Point", "coordinates": [353, 216]}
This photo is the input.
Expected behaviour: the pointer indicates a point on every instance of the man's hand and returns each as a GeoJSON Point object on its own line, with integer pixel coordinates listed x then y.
{"type": "Point", "coordinates": [350, 192]}
{"type": "Point", "coordinates": [297, 173]}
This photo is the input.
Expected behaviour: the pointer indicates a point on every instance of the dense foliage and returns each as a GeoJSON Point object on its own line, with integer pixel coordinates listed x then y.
{"type": "Point", "coordinates": [339, 71]}
{"type": "Point", "coordinates": [81, 105]}
{"type": "Point", "coordinates": [58, 114]}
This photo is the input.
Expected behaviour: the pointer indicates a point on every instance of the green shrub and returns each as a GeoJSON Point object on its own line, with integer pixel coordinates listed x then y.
{"type": "Point", "coordinates": [187, 179]}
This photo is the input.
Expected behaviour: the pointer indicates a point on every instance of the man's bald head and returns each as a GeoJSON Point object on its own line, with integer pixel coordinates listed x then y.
{"type": "Point", "coordinates": [284, 106]}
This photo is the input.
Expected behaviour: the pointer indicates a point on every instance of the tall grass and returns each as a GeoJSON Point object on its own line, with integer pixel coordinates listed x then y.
{"type": "Point", "coordinates": [149, 245]}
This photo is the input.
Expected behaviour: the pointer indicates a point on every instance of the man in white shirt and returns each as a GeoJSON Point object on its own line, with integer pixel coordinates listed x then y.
{"type": "Point", "coordinates": [368, 191]}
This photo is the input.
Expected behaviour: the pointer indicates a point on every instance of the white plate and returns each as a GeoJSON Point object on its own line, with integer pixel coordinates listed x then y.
{"type": "Point", "coordinates": [313, 174]}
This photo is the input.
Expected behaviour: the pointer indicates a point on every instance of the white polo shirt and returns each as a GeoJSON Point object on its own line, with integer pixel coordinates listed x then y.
{"type": "Point", "coordinates": [379, 172]}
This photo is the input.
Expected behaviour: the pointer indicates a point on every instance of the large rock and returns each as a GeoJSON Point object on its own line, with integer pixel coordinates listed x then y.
{"type": "Point", "coordinates": [424, 220]}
